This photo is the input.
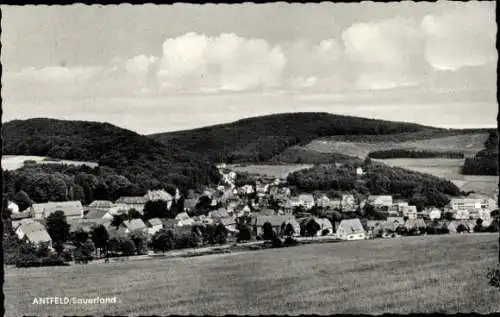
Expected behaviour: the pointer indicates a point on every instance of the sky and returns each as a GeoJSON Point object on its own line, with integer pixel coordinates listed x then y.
{"type": "Point", "coordinates": [155, 68]}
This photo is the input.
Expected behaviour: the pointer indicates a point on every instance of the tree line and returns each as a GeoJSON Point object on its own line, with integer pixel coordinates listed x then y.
{"type": "Point", "coordinates": [485, 162]}
{"type": "Point", "coordinates": [409, 153]}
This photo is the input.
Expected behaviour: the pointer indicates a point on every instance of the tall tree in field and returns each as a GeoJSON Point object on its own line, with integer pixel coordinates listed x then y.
{"type": "Point", "coordinates": [100, 237]}
{"type": "Point", "coordinates": [162, 241]}
{"type": "Point", "coordinates": [58, 229]}
{"type": "Point", "coordinates": [268, 233]}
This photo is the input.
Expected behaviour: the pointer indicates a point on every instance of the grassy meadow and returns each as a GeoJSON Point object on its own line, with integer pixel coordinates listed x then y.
{"type": "Point", "coordinates": [13, 162]}
{"type": "Point", "coordinates": [278, 170]}
{"type": "Point", "coordinates": [469, 144]}
{"type": "Point", "coordinates": [417, 274]}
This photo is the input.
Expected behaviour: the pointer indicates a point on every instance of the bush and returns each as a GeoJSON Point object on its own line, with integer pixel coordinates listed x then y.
{"type": "Point", "coordinates": [276, 243]}
{"type": "Point", "coordinates": [289, 241]}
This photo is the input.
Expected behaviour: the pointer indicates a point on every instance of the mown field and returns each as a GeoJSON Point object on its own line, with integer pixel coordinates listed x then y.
{"type": "Point", "coordinates": [449, 169]}
{"type": "Point", "coordinates": [13, 162]}
{"type": "Point", "coordinates": [469, 144]}
{"type": "Point", "coordinates": [278, 171]}
{"type": "Point", "coordinates": [417, 274]}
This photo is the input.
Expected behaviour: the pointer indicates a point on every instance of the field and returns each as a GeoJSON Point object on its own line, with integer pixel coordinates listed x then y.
{"type": "Point", "coordinates": [278, 171]}
{"type": "Point", "coordinates": [469, 144]}
{"type": "Point", "coordinates": [419, 274]}
{"type": "Point", "coordinates": [13, 162]}
{"type": "Point", "coordinates": [450, 170]}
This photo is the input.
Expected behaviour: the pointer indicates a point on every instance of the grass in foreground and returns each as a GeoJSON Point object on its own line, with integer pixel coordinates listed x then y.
{"type": "Point", "coordinates": [418, 274]}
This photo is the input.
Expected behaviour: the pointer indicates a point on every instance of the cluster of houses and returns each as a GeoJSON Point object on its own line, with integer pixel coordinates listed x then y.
{"type": "Point", "coordinates": [269, 200]}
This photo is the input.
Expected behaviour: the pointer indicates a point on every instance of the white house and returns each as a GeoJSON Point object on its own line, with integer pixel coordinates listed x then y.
{"type": "Point", "coordinates": [465, 203]}
{"type": "Point", "coordinates": [183, 219]}
{"type": "Point", "coordinates": [380, 200]}
{"type": "Point", "coordinates": [134, 225]}
{"type": "Point", "coordinates": [155, 195]}
{"type": "Point", "coordinates": [350, 229]}
{"type": "Point", "coordinates": [348, 203]}
{"type": "Point", "coordinates": [461, 214]}
{"type": "Point", "coordinates": [32, 231]}
{"type": "Point", "coordinates": [307, 200]}
{"type": "Point", "coordinates": [71, 209]}
{"type": "Point", "coordinates": [359, 171]}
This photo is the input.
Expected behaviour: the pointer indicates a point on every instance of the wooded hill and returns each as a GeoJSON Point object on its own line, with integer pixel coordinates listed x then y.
{"type": "Point", "coordinates": [259, 139]}
{"type": "Point", "coordinates": [485, 162]}
{"type": "Point", "coordinates": [140, 159]}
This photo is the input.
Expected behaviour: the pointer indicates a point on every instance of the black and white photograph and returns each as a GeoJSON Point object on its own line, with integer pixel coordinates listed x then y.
{"type": "Point", "coordinates": [250, 159]}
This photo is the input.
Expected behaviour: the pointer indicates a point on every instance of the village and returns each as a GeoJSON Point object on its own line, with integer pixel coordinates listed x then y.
{"type": "Point", "coordinates": [265, 207]}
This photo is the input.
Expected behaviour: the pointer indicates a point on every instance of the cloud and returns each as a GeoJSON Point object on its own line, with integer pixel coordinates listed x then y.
{"type": "Point", "coordinates": [225, 62]}
{"type": "Point", "coordinates": [385, 54]}
{"type": "Point", "coordinates": [140, 65]}
{"type": "Point", "coordinates": [56, 74]}
{"type": "Point", "coordinates": [463, 37]}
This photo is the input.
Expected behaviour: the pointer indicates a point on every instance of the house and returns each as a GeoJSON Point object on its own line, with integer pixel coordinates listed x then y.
{"type": "Point", "coordinates": [101, 205]}
{"type": "Point", "coordinates": [465, 203]}
{"type": "Point", "coordinates": [87, 224]}
{"type": "Point", "coordinates": [13, 207]}
{"type": "Point", "coordinates": [32, 231]}
{"type": "Point", "coordinates": [380, 200]}
{"type": "Point", "coordinates": [114, 211]}
{"type": "Point", "coordinates": [326, 227]}
{"type": "Point", "coordinates": [168, 224]}
{"type": "Point", "coordinates": [135, 225]}
{"type": "Point", "coordinates": [350, 229]}
{"type": "Point", "coordinates": [461, 214]}
{"type": "Point", "coordinates": [275, 221]}
{"type": "Point", "coordinates": [190, 204]}
{"type": "Point", "coordinates": [393, 223]}
{"type": "Point", "coordinates": [218, 213]}
{"type": "Point", "coordinates": [323, 201]}
{"type": "Point", "coordinates": [432, 214]}
{"type": "Point", "coordinates": [247, 189]}
{"type": "Point", "coordinates": [230, 224]}
{"type": "Point", "coordinates": [155, 225]}
{"type": "Point", "coordinates": [71, 209]}
{"type": "Point", "coordinates": [307, 201]}
{"type": "Point", "coordinates": [161, 194]}
{"type": "Point", "coordinates": [183, 219]}
{"type": "Point", "coordinates": [348, 203]}
{"type": "Point", "coordinates": [136, 202]}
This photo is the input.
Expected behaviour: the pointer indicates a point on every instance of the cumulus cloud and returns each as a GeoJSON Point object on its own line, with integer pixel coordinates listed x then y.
{"type": "Point", "coordinates": [385, 54]}
{"type": "Point", "coordinates": [225, 62]}
{"type": "Point", "coordinates": [463, 37]}
{"type": "Point", "coordinates": [140, 65]}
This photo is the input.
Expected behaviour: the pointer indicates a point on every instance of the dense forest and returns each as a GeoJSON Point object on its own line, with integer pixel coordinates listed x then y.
{"type": "Point", "coordinates": [258, 139]}
{"type": "Point", "coordinates": [419, 189]}
{"type": "Point", "coordinates": [57, 182]}
{"type": "Point", "coordinates": [139, 159]}
{"type": "Point", "coordinates": [485, 162]}
{"type": "Point", "coordinates": [409, 153]}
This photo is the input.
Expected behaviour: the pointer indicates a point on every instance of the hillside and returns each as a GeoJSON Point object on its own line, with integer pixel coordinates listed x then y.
{"type": "Point", "coordinates": [485, 162]}
{"type": "Point", "coordinates": [140, 159]}
{"type": "Point", "coordinates": [259, 139]}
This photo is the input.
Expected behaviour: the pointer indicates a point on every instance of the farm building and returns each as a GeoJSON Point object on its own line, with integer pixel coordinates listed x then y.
{"type": "Point", "coordinates": [135, 202]}
{"type": "Point", "coordinates": [71, 209]}
{"type": "Point", "coordinates": [101, 205]}
{"type": "Point", "coordinates": [380, 200]}
{"type": "Point", "coordinates": [32, 231]}
{"type": "Point", "coordinates": [134, 225]}
{"type": "Point", "coordinates": [350, 229]}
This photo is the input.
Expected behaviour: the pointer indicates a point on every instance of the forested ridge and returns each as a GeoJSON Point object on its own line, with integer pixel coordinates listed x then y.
{"type": "Point", "coordinates": [259, 139]}
{"type": "Point", "coordinates": [485, 162]}
{"type": "Point", "coordinates": [140, 159]}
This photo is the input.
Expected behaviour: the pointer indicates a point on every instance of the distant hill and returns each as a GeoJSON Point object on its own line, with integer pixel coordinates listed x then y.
{"type": "Point", "coordinates": [259, 139]}
{"type": "Point", "coordinates": [485, 162]}
{"type": "Point", "coordinates": [141, 159]}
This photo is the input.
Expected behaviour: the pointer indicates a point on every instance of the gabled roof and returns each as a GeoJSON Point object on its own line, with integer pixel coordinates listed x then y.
{"type": "Point", "coordinates": [132, 200]}
{"type": "Point", "coordinates": [155, 222]}
{"type": "Point", "coordinates": [190, 203]}
{"type": "Point", "coordinates": [352, 225]}
{"type": "Point", "coordinates": [182, 216]}
{"type": "Point", "coordinates": [70, 208]}
{"type": "Point", "coordinates": [275, 221]}
{"type": "Point", "coordinates": [116, 233]}
{"type": "Point", "coordinates": [101, 204]}
{"type": "Point", "coordinates": [29, 225]}
{"type": "Point", "coordinates": [308, 197]}
{"type": "Point", "coordinates": [324, 223]}
{"type": "Point", "coordinates": [168, 223]}
{"type": "Point", "coordinates": [135, 224]}
{"type": "Point", "coordinates": [95, 214]}
{"type": "Point", "coordinates": [158, 195]}
{"type": "Point", "coordinates": [218, 213]}
{"type": "Point", "coordinates": [38, 236]}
